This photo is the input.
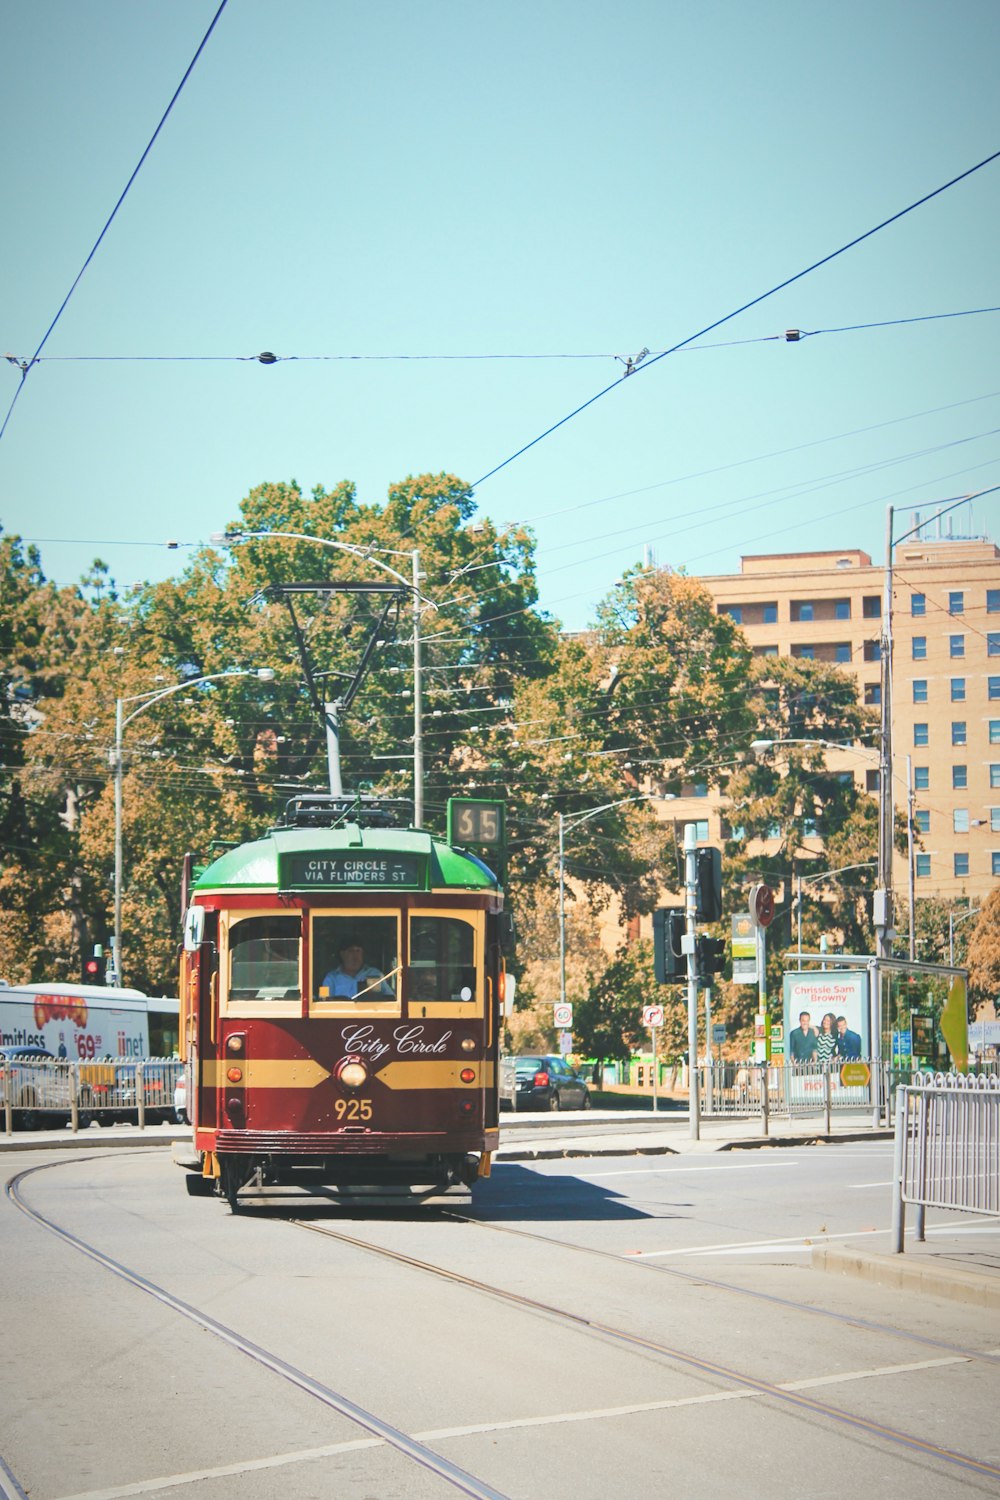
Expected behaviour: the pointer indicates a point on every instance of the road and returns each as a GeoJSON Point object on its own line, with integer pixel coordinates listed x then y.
{"type": "Point", "coordinates": [605, 1326]}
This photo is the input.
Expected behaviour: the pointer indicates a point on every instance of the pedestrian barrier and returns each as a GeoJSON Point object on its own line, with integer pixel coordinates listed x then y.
{"type": "Point", "coordinates": [36, 1092]}
{"type": "Point", "coordinates": [947, 1148]}
{"type": "Point", "coordinates": [748, 1090]}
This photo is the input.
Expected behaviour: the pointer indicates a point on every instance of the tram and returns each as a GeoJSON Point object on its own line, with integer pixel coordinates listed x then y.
{"type": "Point", "coordinates": [342, 995]}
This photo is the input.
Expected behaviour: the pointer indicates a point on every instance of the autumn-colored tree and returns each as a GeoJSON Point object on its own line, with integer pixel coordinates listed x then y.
{"type": "Point", "coordinates": [984, 954]}
{"type": "Point", "coordinates": [607, 1024]}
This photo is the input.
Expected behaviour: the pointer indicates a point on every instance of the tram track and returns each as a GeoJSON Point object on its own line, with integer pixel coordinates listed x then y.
{"type": "Point", "coordinates": [727, 1378]}
{"type": "Point", "coordinates": [783, 1394]}
{"type": "Point", "coordinates": [460, 1480]}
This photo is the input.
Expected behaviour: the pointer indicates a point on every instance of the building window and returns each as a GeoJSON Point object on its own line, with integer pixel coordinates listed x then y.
{"type": "Point", "coordinates": [873, 693]}
{"type": "Point", "coordinates": [993, 684]}
{"type": "Point", "coordinates": [803, 609]}
{"type": "Point", "coordinates": [922, 820]}
{"type": "Point", "coordinates": [993, 601]}
{"type": "Point", "coordinates": [871, 607]}
{"type": "Point", "coordinates": [923, 866]}
{"type": "Point", "coordinates": [956, 645]}
{"type": "Point", "coordinates": [765, 651]}
{"type": "Point", "coordinates": [960, 820]}
{"type": "Point", "coordinates": [694, 789]}
{"type": "Point", "coordinates": [921, 734]}
{"type": "Point", "coordinates": [995, 820]}
{"type": "Point", "coordinates": [919, 648]}
{"type": "Point", "coordinates": [842, 651]}
{"type": "Point", "coordinates": [958, 690]}
{"type": "Point", "coordinates": [871, 781]}
{"type": "Point", "coordinates": [922, 778]}
{"type": "Point", "coordinates": [873, 651]}
{"type": "Point", "coordinates": [994, 776]}
{"type": "Point", "coordinates": [959, 778]}
{"type": "Point", "coordinates": [995, 731]}
{"type": "Point", "coordinates": [920, 689]}
{"type": "Point", "coordinates": [993, 643]}
{"type": "Point", "coordinates": [995, 861]}
{"type": "Point", "coordinates": [770, 614]}
{"type": "Point", "coordinates": [804, 653]}
{"type": "Point", "coordinates": [961, 862]}
{"type": "Point", "coordinates": [958, 732]}
{"type": "Point", "coordinates": [918, 604]}
{"type": "Point", "coordinates": [841, 609]}
{"type": "Point", "coordinates": [956, 602]}
{"type": "Point", "coordinates": [734, 611]}
{"type": "Point", "coordinates": [700, 827]}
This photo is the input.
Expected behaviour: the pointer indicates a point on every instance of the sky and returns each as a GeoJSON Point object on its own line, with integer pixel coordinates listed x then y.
{"type": "Point", "coordinates": [344, 183]}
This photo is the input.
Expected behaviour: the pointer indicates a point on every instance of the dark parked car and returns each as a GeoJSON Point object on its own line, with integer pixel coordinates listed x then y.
{"type": "Point", "coordinates": [546, 1082]}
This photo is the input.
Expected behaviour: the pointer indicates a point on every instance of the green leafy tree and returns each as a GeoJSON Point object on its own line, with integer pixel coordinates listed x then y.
{"type": "Point", "coordinates": [607, 1024]}
{"type": "Point", "coordinates": [984, 954]}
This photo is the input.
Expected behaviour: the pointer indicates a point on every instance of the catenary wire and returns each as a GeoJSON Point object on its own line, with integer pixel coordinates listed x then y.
{"type": "Point", "coordinates": [26, 365]}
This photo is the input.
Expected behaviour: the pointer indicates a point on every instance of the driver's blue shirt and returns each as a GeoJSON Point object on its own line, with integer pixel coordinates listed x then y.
{"type": "Point", "coordinates": [343, 985]}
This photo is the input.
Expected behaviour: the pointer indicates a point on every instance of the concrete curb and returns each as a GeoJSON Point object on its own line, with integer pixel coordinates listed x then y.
{"type": "Point", "coordinates": [911, 1273]}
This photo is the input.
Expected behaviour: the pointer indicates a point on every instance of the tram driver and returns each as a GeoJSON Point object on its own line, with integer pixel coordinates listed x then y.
{"type": "Point", "coordinates": [352, 977]}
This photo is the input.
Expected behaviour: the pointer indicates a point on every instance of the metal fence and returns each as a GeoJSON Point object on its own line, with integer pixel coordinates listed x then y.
{"type": "Point", "coordinates": [947, 1147]}
{"type": "Point", "coordinates": [756, 1090]}
{"type": "Point", "coordinates": [37, 1093]}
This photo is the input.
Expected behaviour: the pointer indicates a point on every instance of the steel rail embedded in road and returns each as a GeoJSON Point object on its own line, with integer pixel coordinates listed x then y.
{"type": "Point", "coordinates": [467, 1483]}
{"type": "Point", "coordinates": [679, 1356]}
{"type": "Point", "coordinates": [850, 1320]}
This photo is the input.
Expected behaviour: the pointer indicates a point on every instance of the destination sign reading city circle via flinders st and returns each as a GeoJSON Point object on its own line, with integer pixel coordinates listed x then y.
{"type": "Point", "coordinates": [301, 871]}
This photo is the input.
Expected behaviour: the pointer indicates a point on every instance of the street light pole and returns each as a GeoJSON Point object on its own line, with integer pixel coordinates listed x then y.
{"type": "Point", "coordinates": [146, 700]}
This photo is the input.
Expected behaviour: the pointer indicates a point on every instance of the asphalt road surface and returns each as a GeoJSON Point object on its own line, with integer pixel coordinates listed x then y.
{"type": "Point", "coordinates": [589, 1327]}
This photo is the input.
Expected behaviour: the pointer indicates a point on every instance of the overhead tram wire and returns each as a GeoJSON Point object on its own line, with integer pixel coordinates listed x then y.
{"type": "Point", "coordinates": [736, 312]}
{"type": "Point", "coordinates": [27, 365]}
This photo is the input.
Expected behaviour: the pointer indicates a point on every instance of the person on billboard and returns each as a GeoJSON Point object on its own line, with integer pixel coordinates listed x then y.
{"type": "Point", "coordinates": [826, 1042]}
{"type": "Point", "coordinates": [848, 1042]}
{"type": "Point", "coordinates": [803, 1040]}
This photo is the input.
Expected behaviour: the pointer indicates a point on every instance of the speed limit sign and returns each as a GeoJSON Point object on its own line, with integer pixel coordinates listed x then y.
{"type": "Point", "coordinates": [562, 1016]}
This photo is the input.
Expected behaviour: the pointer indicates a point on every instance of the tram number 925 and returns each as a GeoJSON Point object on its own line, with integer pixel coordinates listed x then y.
{"type": "Point", "coordinates": [353, 1109]}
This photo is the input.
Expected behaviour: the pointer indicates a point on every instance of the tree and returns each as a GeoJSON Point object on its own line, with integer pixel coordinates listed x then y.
{"type": "Point", "coordinates": [608, 1022]}
{"type": "Point", "coordinates": [984, 953]}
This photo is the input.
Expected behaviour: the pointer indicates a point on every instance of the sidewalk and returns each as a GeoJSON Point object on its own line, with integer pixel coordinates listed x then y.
{"type": "Point", "coordinates": [960, 1258]}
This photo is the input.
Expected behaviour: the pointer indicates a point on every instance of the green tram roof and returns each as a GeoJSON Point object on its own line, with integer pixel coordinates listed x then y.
{"type": "Point", "coordinates": [278, 861]}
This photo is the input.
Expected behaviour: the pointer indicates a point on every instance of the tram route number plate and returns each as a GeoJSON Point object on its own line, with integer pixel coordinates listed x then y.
{"type": "Point", "coordinates": [322, 871]}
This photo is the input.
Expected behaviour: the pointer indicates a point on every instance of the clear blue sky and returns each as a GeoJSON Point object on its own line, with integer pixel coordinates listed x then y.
{"type": "Point", "coordinates": [451, 178]}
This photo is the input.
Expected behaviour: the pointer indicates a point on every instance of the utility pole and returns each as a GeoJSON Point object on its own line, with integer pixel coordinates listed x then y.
{"type": "Point", "coordinates": [418, 708]}
{"type": "Point", "coordinates": [689, 944]}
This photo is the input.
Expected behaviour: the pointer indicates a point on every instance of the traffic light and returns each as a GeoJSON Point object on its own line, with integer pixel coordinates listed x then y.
{"type": "Point", "coordinates": [709, 882]}
{"type": "Point", "coordinates": [669, 963]}
{"type": "Point", "coordinates": [95, 967]}
{"type": "Point", "coordinates": [710, 954]}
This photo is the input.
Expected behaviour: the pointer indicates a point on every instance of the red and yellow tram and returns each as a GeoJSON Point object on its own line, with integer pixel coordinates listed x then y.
{"type": "Point", "coordinates": [341, 1002]}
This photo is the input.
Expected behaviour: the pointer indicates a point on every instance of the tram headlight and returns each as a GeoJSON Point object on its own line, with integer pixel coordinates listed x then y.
{"type": "Point", "coordinates": [236, 1043]}
{"type": "Point", "coordinates": [352, 1073]}
{"type": "Point", "coordinates": [468, 1044]}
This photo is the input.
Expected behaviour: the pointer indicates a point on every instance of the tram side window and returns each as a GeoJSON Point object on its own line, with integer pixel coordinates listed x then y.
{"type": "Point", "coordinates": [354, 958]}
{"type": "Point", "coordinates": [442, 959]}
{"type": "Point", "coordinates": [264, 959]}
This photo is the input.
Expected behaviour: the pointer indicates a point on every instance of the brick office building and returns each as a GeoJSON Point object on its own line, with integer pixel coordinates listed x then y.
{"type": "Point", "coordinates": [827, 606]}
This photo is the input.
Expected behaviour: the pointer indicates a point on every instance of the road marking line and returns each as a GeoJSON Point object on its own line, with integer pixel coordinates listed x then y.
{"type": "Point", "coordinates": [478, 1429]}
{"type": "Point", "coordinates": [675, 1171]}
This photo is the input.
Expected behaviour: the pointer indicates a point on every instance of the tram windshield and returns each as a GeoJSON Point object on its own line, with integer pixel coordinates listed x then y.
{"type": "Point", "coordinates": [442, 959]}
{"type": "Point", "coordinates": [354, 957]}
{"type": "Point", "coordinates": [264, 959]}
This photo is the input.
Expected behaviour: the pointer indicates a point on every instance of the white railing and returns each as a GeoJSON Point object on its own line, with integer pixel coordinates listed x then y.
{"type": "Point", "coordinates": [757, 1090]}
{"type": "Point", "coordinates": [38, 1092]}
{"type": "Point", "coordinates": [947, 1148]}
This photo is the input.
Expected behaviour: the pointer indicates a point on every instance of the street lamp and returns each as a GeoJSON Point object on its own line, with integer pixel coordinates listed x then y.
{"type": "Point", "coordinates": [146, 700]}
{"type": "Point", "coordinates": [802, 880]}
{"type": "Point", "coordinates": [954, 922]}
{"type": "Point", "coordinates": [566, 825]}
{"type": "Point", "coordinates": [365, 554]}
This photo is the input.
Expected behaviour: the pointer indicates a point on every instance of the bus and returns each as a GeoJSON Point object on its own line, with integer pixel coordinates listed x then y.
{"type": "Point", "coordinates": [87, 1022]}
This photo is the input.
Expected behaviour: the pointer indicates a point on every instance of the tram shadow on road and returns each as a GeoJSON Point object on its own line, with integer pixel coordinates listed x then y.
{"type": "Point", "coordinates": [515, 1192]}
